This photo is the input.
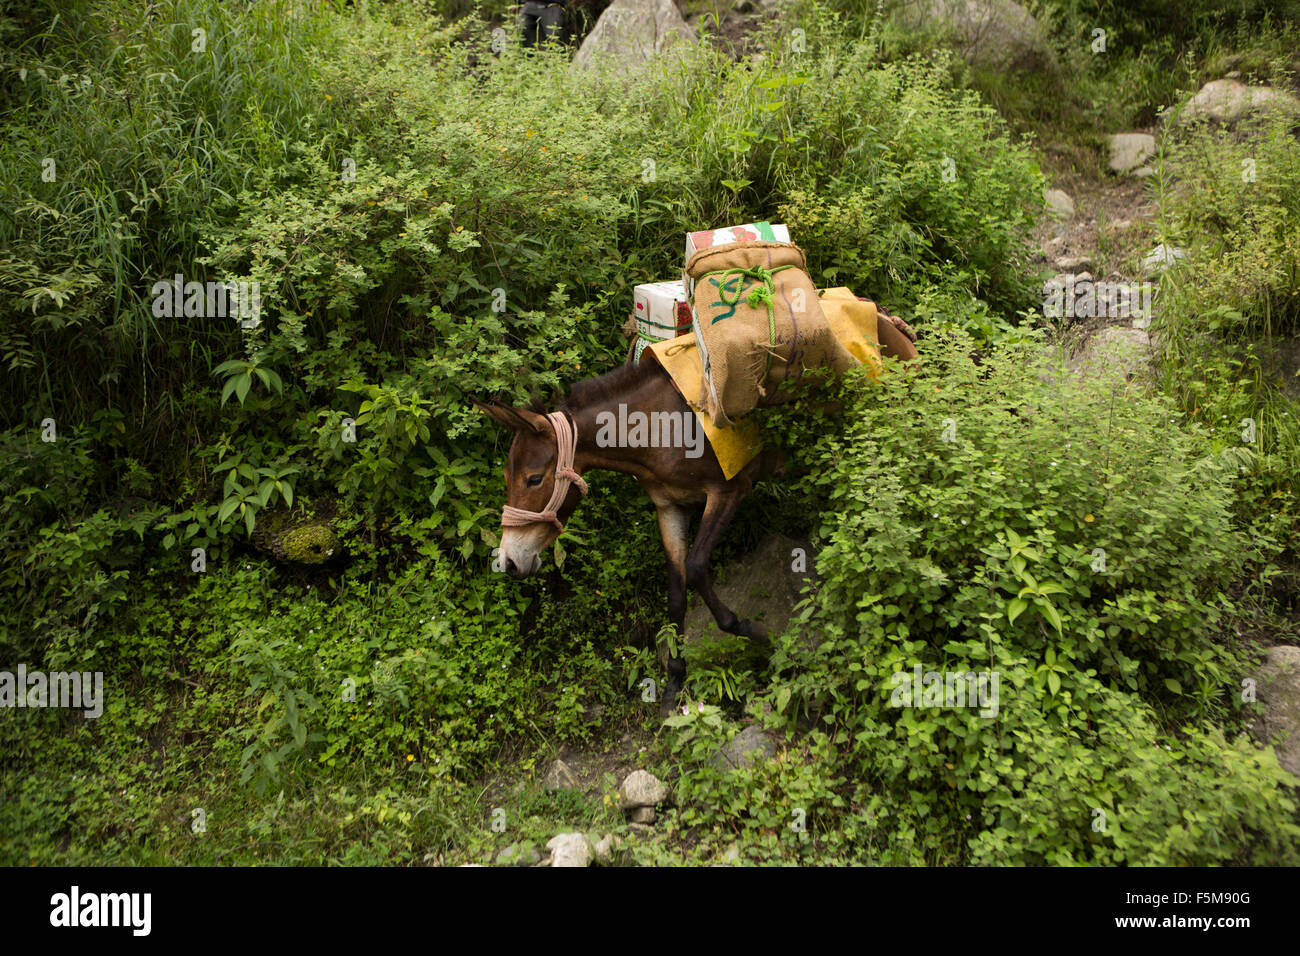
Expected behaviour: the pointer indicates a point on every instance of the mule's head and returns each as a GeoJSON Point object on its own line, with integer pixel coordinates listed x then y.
{"type": "Point", "coordinates": [530, 481]}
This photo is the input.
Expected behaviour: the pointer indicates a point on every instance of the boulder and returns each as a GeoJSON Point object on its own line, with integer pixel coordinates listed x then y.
{"type": "Point", "coordinates": [641, 789]}
{"type": "Point", "coordinates": [302, 535]}
{"type": "Point", "coordinates": [630, 33]}
{"type": "Point", "coordinates": [1279, 692]}
{"type": "Point", "coordinates": [994, 34]}
{"type": "Point", "coordinates": [1130, 151]}
{"type": "Point", "coordinates": [1228, 101]}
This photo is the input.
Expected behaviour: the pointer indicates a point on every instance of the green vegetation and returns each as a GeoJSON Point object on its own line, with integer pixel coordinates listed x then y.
{"type": "Point", "coordinates": [339, 676]}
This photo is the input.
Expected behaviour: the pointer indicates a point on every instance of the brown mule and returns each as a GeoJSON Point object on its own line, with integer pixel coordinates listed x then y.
{"type": "Point", "coordinates": [665, 450]}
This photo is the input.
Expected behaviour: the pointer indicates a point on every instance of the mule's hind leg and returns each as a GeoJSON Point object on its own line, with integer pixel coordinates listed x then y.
{"type": "Point", "coordinates": [674, 528]}
{"type": "Point", "coordinates": [719, 509]}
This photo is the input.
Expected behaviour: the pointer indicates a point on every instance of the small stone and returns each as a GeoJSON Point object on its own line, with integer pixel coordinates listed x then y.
{"type": "Point", "coordinates": [1072, 263]}
{"type": "Point", "coordinates": [641, 789]}
{"type": "Point", "coordinates": [604, 848]}
{"type": "Point", "coordinates": [642, 828]}
{"type": "Point", "coordinates": [519, 855]}
{"type": "Point", "coordinates": [570, 849]}
{"type": "Point", "coordinates": [1128, 151]}
{"type": "Point", "coordinates": [749, 746]}
{"type": "Point", "coordinates": [643, 815]}
{"type": "Point", "coordinates": [1059, 201]}
{"type": "Point", "coordinates": [559, 777]}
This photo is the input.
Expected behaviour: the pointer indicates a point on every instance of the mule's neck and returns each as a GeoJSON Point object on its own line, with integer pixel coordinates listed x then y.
{"type": "Point", "coordinates": [641, 387]}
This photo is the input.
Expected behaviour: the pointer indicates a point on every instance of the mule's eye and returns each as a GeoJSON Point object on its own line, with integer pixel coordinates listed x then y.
{"type": "Point", "coordinates": [534, 481]}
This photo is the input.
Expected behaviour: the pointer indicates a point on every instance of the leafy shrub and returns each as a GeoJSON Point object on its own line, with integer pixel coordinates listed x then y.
{"type": "Point", "coordinates": [1072, 539]}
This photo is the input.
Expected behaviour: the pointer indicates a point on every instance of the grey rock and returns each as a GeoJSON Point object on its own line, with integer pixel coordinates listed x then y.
{"type": "Point", "coordinates": [630, 33]}
{"type": "Point", "coordinates": [604, 848]}
{"type": "Point", "coordinates": [1072, 263]}
{"type": "Point", "coordinates": [641, 789]}
{"type": "Point", "coordinates": [559, 777]}
{"type": "Point", "coordinates": [1228, 101]}
{"type": "Point", "coordinates": [519, 855]}
{"type": "Point", "coordinates": [749, 746]}
{"type": "Point", "coordinates": [642, 815]}
{"type": "Point", "coordinates": [1118, 354]}
{"type": "Point", "coordinates": [1279, 692]}
{"type": "Point", "coordinates": [570, 849]}
{"type": "Point", "coordinates": [1130, 151]}
{"type": "Point", "coordinates": [1059, 201]}
{"type": "Point", "coordinates": [996, 34]}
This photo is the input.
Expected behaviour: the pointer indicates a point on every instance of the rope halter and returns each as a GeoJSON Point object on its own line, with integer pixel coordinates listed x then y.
{"type": "Point", "coordinates": [566, 443]}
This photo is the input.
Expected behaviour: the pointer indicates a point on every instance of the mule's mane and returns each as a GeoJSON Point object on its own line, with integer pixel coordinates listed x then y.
{"type": "Point", "coordinates": [598, 390]}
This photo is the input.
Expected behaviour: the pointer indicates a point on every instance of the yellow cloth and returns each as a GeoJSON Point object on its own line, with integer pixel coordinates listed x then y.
{"type": "Point", "coordinates": [854, 325]}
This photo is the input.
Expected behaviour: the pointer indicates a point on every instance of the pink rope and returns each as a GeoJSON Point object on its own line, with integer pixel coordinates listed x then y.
{"type": "Point", "coordinates": [566, 443]}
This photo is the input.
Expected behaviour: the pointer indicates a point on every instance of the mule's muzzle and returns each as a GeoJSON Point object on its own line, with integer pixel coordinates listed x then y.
{"type": "Point", "coordinates": [521, 569]}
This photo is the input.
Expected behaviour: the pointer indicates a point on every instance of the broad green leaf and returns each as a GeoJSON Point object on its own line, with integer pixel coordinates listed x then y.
{"type": "Point", "coordinates": [1049, 612]}
{"type": "Point", "coordinates": [1015, 609]}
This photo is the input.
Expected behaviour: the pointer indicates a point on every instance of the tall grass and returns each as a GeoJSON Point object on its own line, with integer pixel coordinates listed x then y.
{"type": "Point", "coordinates": [150, 138]}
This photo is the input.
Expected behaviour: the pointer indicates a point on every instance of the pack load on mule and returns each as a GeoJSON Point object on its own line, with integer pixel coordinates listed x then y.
{"type": "Point", "coordinates": [662, 310]}
{"type": "Point", "coordinates": [763, 323]}
{"type": "Point", "coordinates": [744, 325]}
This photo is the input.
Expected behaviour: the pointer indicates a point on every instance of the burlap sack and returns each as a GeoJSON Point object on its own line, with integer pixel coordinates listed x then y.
{"type": "Point", "coordinates": [752, 357]}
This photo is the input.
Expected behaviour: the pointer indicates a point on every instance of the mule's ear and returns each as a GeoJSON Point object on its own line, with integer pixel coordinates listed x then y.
{"type": "Point", "coordinates": [516, 419]}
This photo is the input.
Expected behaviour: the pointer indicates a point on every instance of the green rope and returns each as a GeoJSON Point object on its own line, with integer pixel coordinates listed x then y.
{"type": "Point", "coordinates": [762, 294]}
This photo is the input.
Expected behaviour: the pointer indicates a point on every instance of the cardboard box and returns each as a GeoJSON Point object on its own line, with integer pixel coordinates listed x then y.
{"type": "Point", "coordinates": [661, 310]}
{"type": "Point", "coordinates": [749, 232]}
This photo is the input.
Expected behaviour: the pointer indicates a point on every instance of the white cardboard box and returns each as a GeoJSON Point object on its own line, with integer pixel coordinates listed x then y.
{"type": "Point", "coordinates": [661, 310]}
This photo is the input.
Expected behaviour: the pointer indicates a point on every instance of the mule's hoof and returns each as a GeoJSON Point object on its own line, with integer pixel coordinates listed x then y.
{"type": "Point", "coordinates": [755, 632]}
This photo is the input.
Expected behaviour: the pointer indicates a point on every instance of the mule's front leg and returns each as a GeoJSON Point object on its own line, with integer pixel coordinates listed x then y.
{"type": "Point", "coordinates": [674, 528]}
{"type": "Point", "coordinates": [718, 512]}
